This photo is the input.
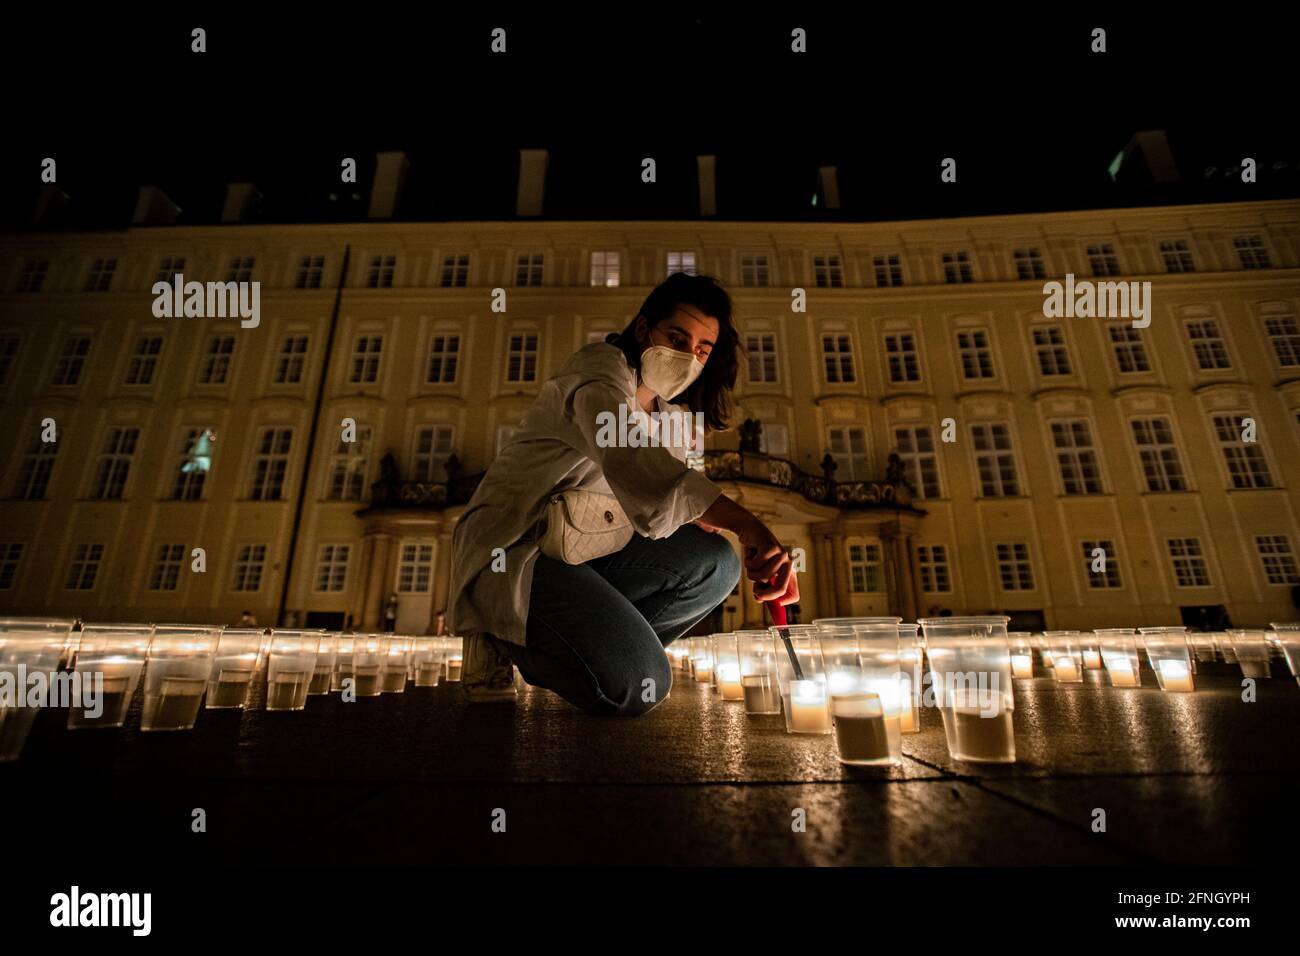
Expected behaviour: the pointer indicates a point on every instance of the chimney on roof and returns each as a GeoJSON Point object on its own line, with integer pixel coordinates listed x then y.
{"type": "Point", "coordinates": [49, 205]}
{"type": "Point", "coordinates": [830, 186]}
{"type": "Point", "coordinates": [1146, 159]}
{"type": "Point", "coordinates": [532, 182]}
{"type": "Point", "coordinates": [241, 201]}
{"type": "Point", "coordinates": [708, 185]}
{"type": "Point", "coordinates": [390, 177]}
{"type": "Point", "coordinates": [153, 208]}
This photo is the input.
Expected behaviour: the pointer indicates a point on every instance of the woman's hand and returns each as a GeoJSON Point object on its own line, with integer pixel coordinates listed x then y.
{"type": "Point", "coordinates": [768, 565]}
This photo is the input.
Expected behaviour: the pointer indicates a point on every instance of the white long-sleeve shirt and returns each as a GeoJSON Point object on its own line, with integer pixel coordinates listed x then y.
{"type": "Point", "coordinates": [556, 449]}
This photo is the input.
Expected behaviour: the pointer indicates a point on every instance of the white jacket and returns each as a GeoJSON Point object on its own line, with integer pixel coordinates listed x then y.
{"type": "Point", "coordinates": [553, 450]}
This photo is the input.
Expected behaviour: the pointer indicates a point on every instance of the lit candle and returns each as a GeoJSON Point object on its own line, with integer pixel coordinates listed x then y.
{"type": "Point", "coordinates": [1065, 667]}
{"type": "Point", "coordinates": [454, 665]}
{"type": "Point", "coordinates": [704, 670]}
{"type": "Point", "coordinates": [1022, 665]}
{"type": "Point", "coordinates": [1177, 676]}
{"type": "Point", "coordinates": [864, 732]}
{"type": "Point", "coordinates": [760, 694]}
{"type": "Point", "coordinates": [1121, 672]}
{"type": "Point", "coordinates": [120, 675]}
{"type": "Point", "coordinates": [907, 717]}
{"type": "Point", "coordinates": [808, 711]}
{"type": "Point", "coordinates": [729, 682]}
{"type": "Point", "coordinates": [1091, 660]}
{"type": "Point", "coordinates": [842, 682]}
{"type": "Point", "coordinates": [175, 706]}
{"type": "Point", "coordinates": [231, 676]}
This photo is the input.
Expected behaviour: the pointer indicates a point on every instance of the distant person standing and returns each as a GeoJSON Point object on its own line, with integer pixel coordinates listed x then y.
{"type": "Point", "coordinates": [246, 619]}
{"type": "Point", "coordinates": [390, 614]}
{"type": "Point", "coordinates": [440, 625]}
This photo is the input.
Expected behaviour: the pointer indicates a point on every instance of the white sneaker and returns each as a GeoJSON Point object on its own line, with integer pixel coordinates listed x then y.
{"type": "Point", "coordinates": [488, 674]}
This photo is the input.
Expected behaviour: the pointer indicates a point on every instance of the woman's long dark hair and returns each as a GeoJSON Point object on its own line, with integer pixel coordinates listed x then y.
{"type": "Point", "coordinates": [711, 392]}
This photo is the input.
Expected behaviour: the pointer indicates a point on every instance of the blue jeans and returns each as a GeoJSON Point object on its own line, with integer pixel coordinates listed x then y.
{"type": "Point", "coordinates": [597, 631]}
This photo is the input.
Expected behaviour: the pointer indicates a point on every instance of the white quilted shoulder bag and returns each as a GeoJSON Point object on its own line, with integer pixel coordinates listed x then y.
{"type": "Point", "coordinates": [581, 525]}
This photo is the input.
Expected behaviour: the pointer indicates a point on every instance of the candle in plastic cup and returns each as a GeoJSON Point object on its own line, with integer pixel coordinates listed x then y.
{"type": "Point", "coordinates": [865, 734]}
{"type": "Point", "coordinates": [1022, 654]}
{"type": "Point", "coordinates": [970, 668]}
{"type": "Point", "coordinates": [757, 655]}
{"type": "Point", "coordinates": [1091, 659]}
{"type": "Point", "coordinates": [1022, 665]}
{"type": "Point", "coordinates": [115, 652]}
{"type": "Point", "coordinates": [726, 666]}
{"type": "Point", "coordinates": [807, 708]}
{"type": "Point", "coordinates": [368, 658]}
{"type": "Point", "coordinates": [1067, 655]}
{"type": "Point", "coordinates": [1252, 651]}
{"type": "Point", "coordinates": [327, 652]}
{"type": "Point", "coordinates": [1168, 654]}
{"type": "Point", "coordinates": [427, 659]}
{"type": "Point", "coordinates": [234, 663]}
{"type": "Point", "coordinates": [1287, 636]}
{"type": "Point", "coordinates": [1120, 655]}
{"type": "Point", "coordinates": [397, 665]}
{"type": "Point", "coordinates": [983, 729]}
{"type": "Point", "coordinates": [911, 659]}
{"type": "Point", "coordinates": [291, 664]}
{"type": "Point", "coordinates": [343, 662]}
{"type": "Point", "coordinates": [176, 676]}
{"type": "Point", "coordinates": [27, 646]}
{"type": "Point", "coordinates": [455, 653]}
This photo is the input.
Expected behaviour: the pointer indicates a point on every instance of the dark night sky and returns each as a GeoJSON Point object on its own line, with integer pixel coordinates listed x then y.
{"type": "Point", "coordinates": [1032, 117]}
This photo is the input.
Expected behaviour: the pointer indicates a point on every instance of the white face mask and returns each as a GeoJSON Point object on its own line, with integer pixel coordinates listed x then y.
{"type": "Point", "coordinates": [669, 372]}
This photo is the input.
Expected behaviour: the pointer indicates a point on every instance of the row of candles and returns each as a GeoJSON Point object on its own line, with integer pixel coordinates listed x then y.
{"type": "Point", "coordinates": [185, 667]}
{"type": "Point", "coordinates": [861, 678]}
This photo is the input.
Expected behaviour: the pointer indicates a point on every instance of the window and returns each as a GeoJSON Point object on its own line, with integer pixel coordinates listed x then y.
{"type": "Point", "coordinates": [215, 368]}
{"type": "Point", "coordinates": [348, 472]}
{"type": "Point", "coordinates": [904, 364]}
{"type": "Point", "coordinates": [310, 271]}
{"type": "Point", "coordinates": [1207, 344]}
{"type": "Point", "coordinates": [38, 463]}
{"type": "Point", "coordinates": [1102, 259]}
{"type": "Point", "coordinates": [604, 269]}
{"type": "Point", "coordinates": [115, 464]}
{"type": "Point", "coordinates": [976, 357]}
{"type": "Point", "coordinates": [1130, 350]}
{"type": "Point", "coordinates": [1109, 578]}
{"type": "Point", "coordinates": [444, 353]}
{"type": "Point", "coordinates": [866, 569]}
{"type": "Point", "coordinates": [1014, 568]}
{"type": "Point", "coordinates": [915, 444]}
{"type": "Point", "coordinates": [956, 268]}
{"type": "Point", "coordinates": [753, 270]}
{"type": "Point", "coordinates": [11, 555]}
{"type": "Point", "coordinates": [888, 270]}
{"type": "Point", "coordinates": [332, 568]}
{"type": "Point", "coordinates": [849, 450]}
{"type": "Point", "coordinates": [84, 568]}
{"type": "Point", "coordinates": [241, 269]}
{"type": "Point", "coordinates": [289, 363]}
{"type": "Point", "coordinates": [828, 272]}
{"type": "Point", "coordinates": [365, 359]}
{"type": "Point", "coordinates": [144, 361]}
{"type": "Point", "coordinates": [1284, 335]}
{"type": "Point", "coordinates": [1161, 465]}
{"type": "Point", "coordinates": [380, 273]}
{"type": "Point", "coordinates": [100, 276]}
{"type": "Point", "coordinates": [1278, 559]}
{"type": "Point", "coordinates": [1252, 252]}
{"type": "Point", "coordinates": [1029, 263]}
{"type": "Point", "coordinates": [1188, 560]}
{"type": "Point", "coordinates": [169, 267]}
{"type": "Point", "coordinates": [166, 567]}
{"type": "Point", "coordinates": [455, 271]}
{"type": "Point", "coordinates": [932, 561]}
{"type": "Point", "coordinates": [1076, 457]}
{"type": "Point", "coordinates": [773, 440]}
{"type": "Point", "coordinates": [521, 364]}
{"type": "Point", "coordinates": [67, 370]}
{"type": "Point", "coordinates": [995, 460]}
{"type": "Point", "coordinates": [528, 269]}
{"type": "Point", "coordinates": [1050, 347]}
{"type": "Point", "coordinates": [8, 352]}
{"type": "Point", "coordinates": [1177, 256]}
{"type": "Point", "coordinates": [270, 464]}
{"type": "Point", "coordinates": [33, 275]}
{"type": "Point", "coordinates": [433, 446]}
{"type": "Point", "coordinates": [837, 356]}
{"type": "Point", "coordinates": [194, 465]}
{"type": "Point", "coordinates": [415, 570]}
{"type": "Point", "coordinates": [680, 262]}
{"type": "Point", "coordinates": [249, 564]}
{"type": "Point", "coordinates": [1246, 463]}
{"type": "Point", "coordinates": [761, 352]}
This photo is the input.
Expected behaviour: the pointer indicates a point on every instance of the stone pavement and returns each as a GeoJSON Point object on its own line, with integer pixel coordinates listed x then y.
{"type": "Point", "coordinates": [416, 778]}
